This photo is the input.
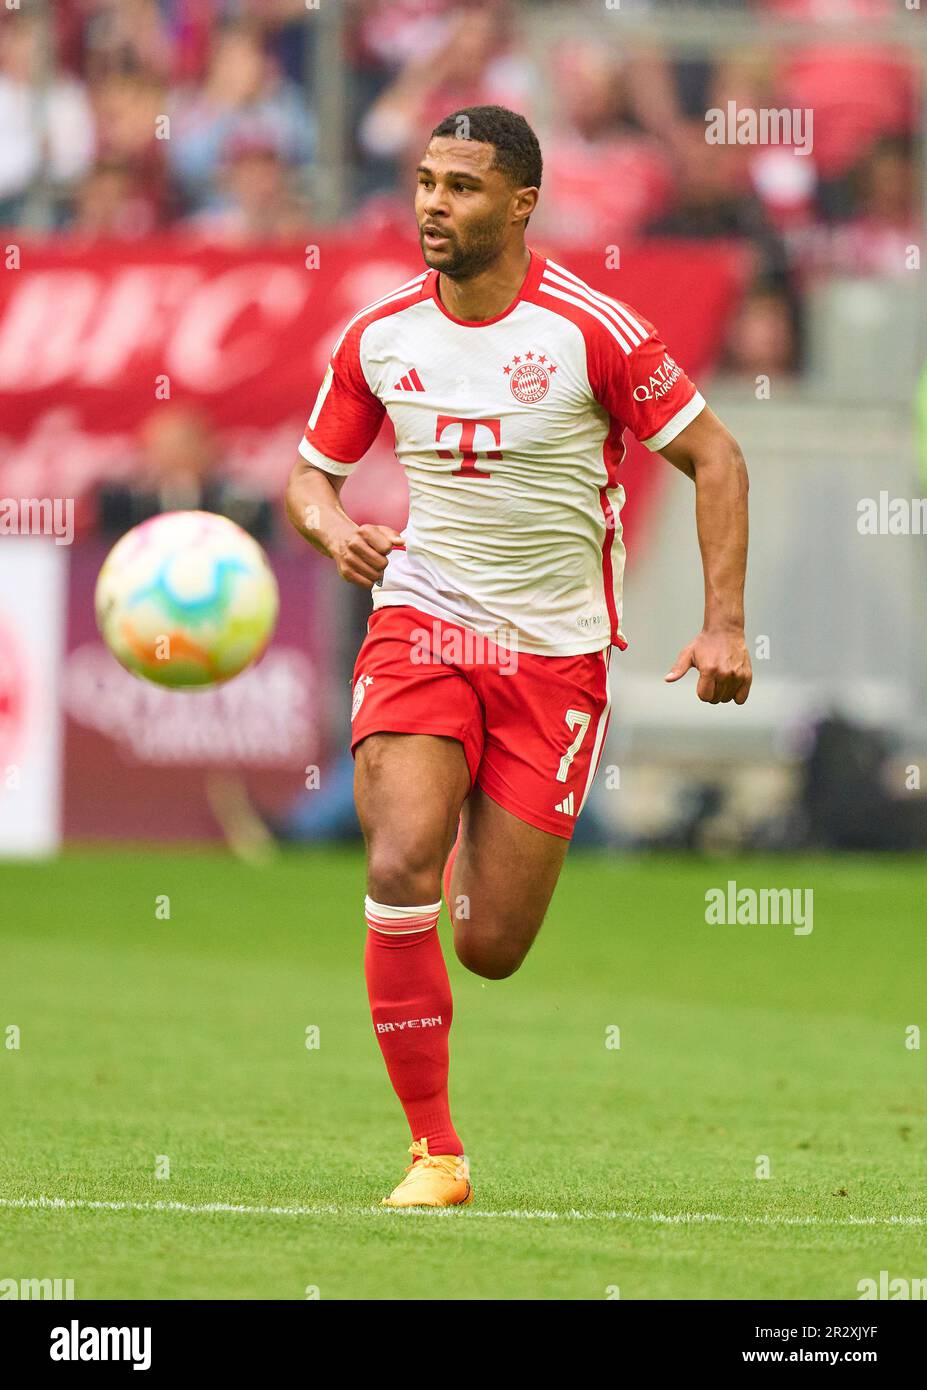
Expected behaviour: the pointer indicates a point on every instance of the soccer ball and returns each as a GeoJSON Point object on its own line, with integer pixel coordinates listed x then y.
{"type": "Point", "coordinates": [186, 599]}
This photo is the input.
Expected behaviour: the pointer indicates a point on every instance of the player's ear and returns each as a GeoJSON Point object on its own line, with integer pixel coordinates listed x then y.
{"type": "Point", "coordinates": [523, 204]}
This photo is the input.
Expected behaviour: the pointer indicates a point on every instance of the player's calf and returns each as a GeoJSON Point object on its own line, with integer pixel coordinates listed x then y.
{"type": "Point", "coordinates": [493, 944]}
{"type": "Point", "coordinates": [499, 882]}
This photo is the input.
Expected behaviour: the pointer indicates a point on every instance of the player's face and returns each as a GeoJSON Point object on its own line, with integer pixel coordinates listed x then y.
{"type": "Point", "coordinates": [462, 205]}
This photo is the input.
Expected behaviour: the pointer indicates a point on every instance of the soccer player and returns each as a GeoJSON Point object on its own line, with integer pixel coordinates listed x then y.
{"type": "Point", "coordinates": [481, 696]}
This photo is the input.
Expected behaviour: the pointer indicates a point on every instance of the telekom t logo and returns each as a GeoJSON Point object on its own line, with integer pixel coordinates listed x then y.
{"type": "Point", "coordinates": [468, 455]}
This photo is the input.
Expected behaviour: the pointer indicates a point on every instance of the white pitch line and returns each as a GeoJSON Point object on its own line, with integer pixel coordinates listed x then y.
{"type": "Point", "coordinates": [656, 1218]}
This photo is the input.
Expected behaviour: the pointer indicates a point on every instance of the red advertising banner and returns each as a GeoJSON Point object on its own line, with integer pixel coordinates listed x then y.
{"type": "Point", "coordinates": [94, 337]}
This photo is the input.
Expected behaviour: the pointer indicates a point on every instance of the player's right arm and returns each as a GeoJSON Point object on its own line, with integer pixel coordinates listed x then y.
{"type": "Point", "coordinates": [314, 507]}
{"type": "Point", "coordinates": [344, 422]}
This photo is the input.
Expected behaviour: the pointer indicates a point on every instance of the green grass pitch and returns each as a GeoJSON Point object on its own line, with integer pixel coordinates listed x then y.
{"type": "Point", "coordinates": [597, 1168]}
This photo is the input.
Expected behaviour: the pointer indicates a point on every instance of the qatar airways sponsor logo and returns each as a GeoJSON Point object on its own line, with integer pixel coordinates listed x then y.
{"type": "Point", "coordinates": [660, 382]}
{"type": "Point", "coordinates": [402, 1024]}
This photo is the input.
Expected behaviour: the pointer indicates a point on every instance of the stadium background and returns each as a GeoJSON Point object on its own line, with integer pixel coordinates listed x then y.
{"type": "Point", "coordinates": [194, 196]}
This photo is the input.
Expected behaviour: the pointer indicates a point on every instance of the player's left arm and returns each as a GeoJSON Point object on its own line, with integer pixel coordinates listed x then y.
{"type": "Point", "coordinates": [709, 454]}
{"type": "Point", "coordinates": [646, 389]}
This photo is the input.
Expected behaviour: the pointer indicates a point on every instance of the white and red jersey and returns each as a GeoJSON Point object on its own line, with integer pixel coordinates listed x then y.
{"type": "Point", "coordinates": [510, 432]}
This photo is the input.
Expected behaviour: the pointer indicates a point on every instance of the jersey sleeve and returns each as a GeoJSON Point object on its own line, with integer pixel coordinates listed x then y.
{"type": "Point", "coordinates": [634, 376]}
{"type": "Point", "coordinates": [346, 417]}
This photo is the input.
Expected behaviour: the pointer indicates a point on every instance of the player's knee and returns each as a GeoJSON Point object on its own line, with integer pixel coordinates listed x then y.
{"type": "Point", "coordinates": [403, 874]}
{"type": "Point", "coordinates": [492, 960]}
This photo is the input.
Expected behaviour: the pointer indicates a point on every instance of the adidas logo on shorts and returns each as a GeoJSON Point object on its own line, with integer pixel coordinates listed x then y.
{"type": "Point", "coordinates": [566, 805]}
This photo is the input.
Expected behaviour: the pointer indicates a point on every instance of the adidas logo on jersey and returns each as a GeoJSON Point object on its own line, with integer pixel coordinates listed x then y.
{"type": "Point", "coordinates": [566, 805]}
{"type": "Point", "coordinates": [410, 382]}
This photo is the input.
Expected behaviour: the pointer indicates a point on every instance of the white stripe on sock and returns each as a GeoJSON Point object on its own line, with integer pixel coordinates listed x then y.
{"type": "Point", "coordinates": [388, 919]}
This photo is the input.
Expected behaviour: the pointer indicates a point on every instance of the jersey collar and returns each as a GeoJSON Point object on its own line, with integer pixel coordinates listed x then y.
{"type": "Point", "coordinates": [528, 286]}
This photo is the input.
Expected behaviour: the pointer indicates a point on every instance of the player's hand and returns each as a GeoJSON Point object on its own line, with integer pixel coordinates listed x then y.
{"type": "Point", "coordinates": [723, 663]}
{"type": "Point", "coordinates": [361, 554]}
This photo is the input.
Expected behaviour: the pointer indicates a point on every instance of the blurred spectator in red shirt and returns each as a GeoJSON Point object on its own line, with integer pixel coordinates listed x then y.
{"type": "Point", "coordinates": [857, 92]}
{"type": "Point", "coordinates": [763, 339]}
{"type": "Point", "coordinates": [257, 202]}
{"type": "Point", "coordinates": [604, 178]}
{"type": "Point", "coordinates": [179, 470]}
{"type": "Point", "coordinates": [126, 36]}
{"type": "Point", "coordinates": [879, 238]}
{"type": "Point", "coordinates": [390, 37]}
{"type": "Point", "coordinates": [244, 97]}
{"type": "Point", "coordinates": [131, 108]}
{"type": "Point", "coordinates": [112, 203]}
{"type": "Point", "coordinates": [888, 225]}
{"type": "Point", "coordinates": [95, 37]}
{"type": "Point", "coordinates": [472, 63]}
{"type": "Point", "coordinates": [713, 199]}
{"type": "Point", "coordinates": [46, 119]}
{"type": "Point", "coordinates": [784, 180]}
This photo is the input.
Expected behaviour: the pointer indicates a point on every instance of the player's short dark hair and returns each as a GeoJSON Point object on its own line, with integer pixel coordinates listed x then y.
{"type": "Point", "coordinates": [518, 154]}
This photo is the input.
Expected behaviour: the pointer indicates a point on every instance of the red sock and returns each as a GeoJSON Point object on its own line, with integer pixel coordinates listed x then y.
{"type": "Point", "coordinates": [411, 1004]}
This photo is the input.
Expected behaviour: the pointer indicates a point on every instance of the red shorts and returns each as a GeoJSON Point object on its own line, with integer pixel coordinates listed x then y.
{"type": "Point", "coordinates": [532, 727]}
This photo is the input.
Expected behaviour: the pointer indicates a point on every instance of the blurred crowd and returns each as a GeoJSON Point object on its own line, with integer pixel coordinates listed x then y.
{"type": "Point", "coordinates": [123, 118]}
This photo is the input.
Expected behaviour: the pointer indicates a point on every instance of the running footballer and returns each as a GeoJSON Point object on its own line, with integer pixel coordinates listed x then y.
{"type": "Point", "coordinates": [480, 695]}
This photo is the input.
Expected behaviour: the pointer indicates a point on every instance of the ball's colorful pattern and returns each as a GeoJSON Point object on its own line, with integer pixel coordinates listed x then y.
{"type": "Point", "coordinates": [186, 599]}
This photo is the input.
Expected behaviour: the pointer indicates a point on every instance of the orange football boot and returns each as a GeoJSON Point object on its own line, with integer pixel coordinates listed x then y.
{"type": "Point", "coordinates": [436, 1180]}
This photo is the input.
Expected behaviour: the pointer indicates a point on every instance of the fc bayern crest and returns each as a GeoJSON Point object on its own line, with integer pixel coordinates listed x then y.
{"type": "Point", "coordinates": [529, 375]}
{"type": "Point", "coordinates": [360, 690]}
